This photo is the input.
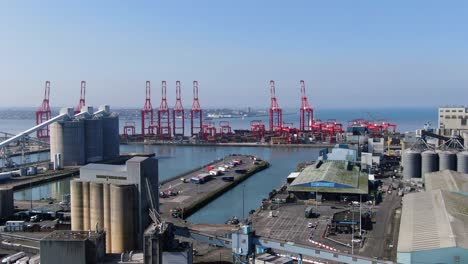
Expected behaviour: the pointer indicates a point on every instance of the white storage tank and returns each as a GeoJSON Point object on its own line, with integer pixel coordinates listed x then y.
{"type": "Point", "coordinates": [111, 138]}
{"type": "Point", "coordinates": [411, 164]}
{"type": "Point", "coordinates": [93, 139]}
{"type": "Point", "coordinates": [429, 162]}
{"type": "Point", "coordinates": [447, 160]}
{"type": "Point", "coordinates": [462, 162]}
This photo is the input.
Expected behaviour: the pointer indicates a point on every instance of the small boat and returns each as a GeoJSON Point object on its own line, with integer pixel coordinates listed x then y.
{"type": "Point", "coordinates": [228, 178]}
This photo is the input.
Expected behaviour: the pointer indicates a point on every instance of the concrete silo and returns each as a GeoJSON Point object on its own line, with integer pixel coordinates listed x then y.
{"type": "Point", "coordinates": [429, 162]}
{"type": "Point", "coordinates": [76, 193]}
{"type": "Point", "coordinates": [411, 164]}
{"type": "Point", "coordinates": [86, 218]}
{"type": "Point", "coordinates": [96, 208]}
{"type": "Point", "coordinates": [68, 139]}
{"type": "Point", "coordinates": [94, 140]}
{"type": "Point", "coordinates": [122, 217]}
{"type": "Point", "coordinates": [111, 138]}
{"type": "Point", "coordinates": [462, 162]}
{"type": "Point", "coordinates": [107, 216]}
{"type": "Point", "coordinates": [448, 160]}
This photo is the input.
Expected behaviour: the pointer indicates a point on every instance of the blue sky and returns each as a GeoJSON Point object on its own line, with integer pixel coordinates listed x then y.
{"type": "Point", "coordinates": [350, 53]}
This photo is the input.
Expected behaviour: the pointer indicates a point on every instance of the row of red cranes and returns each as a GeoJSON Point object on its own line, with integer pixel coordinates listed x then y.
{"type": "Point", "coordinates": [307, 122]}
{"type": "Point", "coordinates": [44, 113]}
{"type": "Point", "coordinates": [162, 126]}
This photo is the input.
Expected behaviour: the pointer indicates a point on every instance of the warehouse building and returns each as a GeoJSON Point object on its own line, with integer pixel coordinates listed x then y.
{"type": "Point", "coordinates": [433, 228]}
{"type": "Point", "coordinates": [115, 198]}
{"type": "Point", "coordinates": [331, 180]}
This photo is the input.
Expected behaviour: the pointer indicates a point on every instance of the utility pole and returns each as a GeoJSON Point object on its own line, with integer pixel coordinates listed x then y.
{"type": "Point", "coordinates": [360, 215]}
{"type": "Point", "coordinates": [352, 231]}
{"type": "Point", "coordinates": [243, 201]}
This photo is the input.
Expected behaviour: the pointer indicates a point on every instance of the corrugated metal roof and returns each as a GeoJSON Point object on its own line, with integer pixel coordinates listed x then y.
{"type": "Point", "coordinates": [433, 219]}
{"type": "Point", "coordinates": [446, 180]}
{"type": "Point", "coordinates": [331, 176]}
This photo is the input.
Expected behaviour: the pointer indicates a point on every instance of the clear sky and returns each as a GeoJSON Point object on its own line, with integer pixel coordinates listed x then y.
{"type": "Point", "coordinates": [350, 53]}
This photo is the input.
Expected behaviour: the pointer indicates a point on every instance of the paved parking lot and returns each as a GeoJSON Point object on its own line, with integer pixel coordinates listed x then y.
{"type": "Point", "coordinates": [190, 193]}
{"type": "Point", "coordinates": [289, 224]}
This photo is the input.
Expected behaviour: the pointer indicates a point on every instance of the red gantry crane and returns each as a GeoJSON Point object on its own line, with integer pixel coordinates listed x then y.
{"type": "Point", "coordinates": [196, 115]}
{"type": "Point", "coordinates": [306, 112]}
{"type": "Point", "coordinates": [257, 128]}
{"type": "Point", "coordinates": [82, 101]}
{"type": "Point", "coordinates": [225, 128]}
{"type": "Point", "coordinates": [147, 114]}
{"type": "Point", "coordinates": [164, 118]}
{"type": "Point", "coordinates": [178, 114]}
{"type": "Point", "coordinates": [276, 114]}
{"type": "Point", "coordinates": [129, 128]}
{"type": "Point", "coordinates": [43, 113]}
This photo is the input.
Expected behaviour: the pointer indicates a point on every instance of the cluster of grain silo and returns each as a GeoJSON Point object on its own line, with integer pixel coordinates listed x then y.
{"type": "Point", "coordinates": [416, 163]}
{"type": "Point", "coordinates": [108, 207]}
{"type": "Point", "coordinates": [88, 137]}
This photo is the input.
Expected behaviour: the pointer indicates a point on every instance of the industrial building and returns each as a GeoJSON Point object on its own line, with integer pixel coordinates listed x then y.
{"type": "Point", "coordinates": [73, 247]}
{"type": "Point", "coordinates": [433, 228]}
{"type": "Point", "coordinates": [87, 137]}
{"type": "Point", "coordinates": [330, 180]}
{"type": "Point", "coordinates": [339, 152]}
{"type": "Point", "coordinates": [446, 180]}
{"type": "Point", "coordinates": [453, 118]}
{"type": "Point", "coordinates": [116, 199]}
{"type": "Point", "coordinates": [433, 223]}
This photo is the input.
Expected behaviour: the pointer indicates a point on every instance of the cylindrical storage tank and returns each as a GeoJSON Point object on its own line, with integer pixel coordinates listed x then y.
{"type": "Point", "coordinates": [56, 140]}
{"type": "Point", "coordinates": [68, 139]}
{"type": "Point", "coordinates": [93, 140]}
{"type": "Point", "coordinates": [429, 162]}
{"type": "Point", "coordinates": [447, 160]}
{"type": "Point", "coordinates": [122, 217]}
{"type": "Point", "coordinates": [111, 138]}
{"type": "Point", "coordinates": [411, 164]}
{"type": "Point", "coordinates": [462, 162]}
{"type": "Point", "coordinates": [86, 216]}
{"type": "Point", "coordinates": [107, 217]}
{"type": "Point", "coordinates": [96, 208]}
{"type": "Point", "coordinates": [76, 192]}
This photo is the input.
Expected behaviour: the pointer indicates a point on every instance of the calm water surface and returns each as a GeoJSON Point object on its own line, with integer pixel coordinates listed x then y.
{"type": "Point", "coordinates": [174, 160]}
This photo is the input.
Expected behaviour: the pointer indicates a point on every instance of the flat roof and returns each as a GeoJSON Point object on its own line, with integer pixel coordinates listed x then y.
{"type": "Point", "coordinates": [67, 235]}
{"type": "Point", "coordinates": [331, 176]}
{"type": "Point", "coordinates": [432, 220]}
{"type": "Point", "coordinates": [106, 167]}
{"type": "Point", "coordinates": [446, 180]}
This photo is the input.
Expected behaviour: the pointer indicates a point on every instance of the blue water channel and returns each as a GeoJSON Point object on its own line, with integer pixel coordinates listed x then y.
{"type": "Point", "coordinates": [174, 160]}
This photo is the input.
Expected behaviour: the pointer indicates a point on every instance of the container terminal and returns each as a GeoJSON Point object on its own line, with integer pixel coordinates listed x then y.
{"type": "Point", "coordinates": [348, 206]}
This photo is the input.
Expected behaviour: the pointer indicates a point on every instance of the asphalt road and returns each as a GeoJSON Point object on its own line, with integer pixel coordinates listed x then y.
{"type": "Point", "coordinates": [379, 239]}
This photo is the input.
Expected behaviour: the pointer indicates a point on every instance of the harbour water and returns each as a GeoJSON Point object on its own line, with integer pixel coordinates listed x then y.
{"type": "Point", "coordinates": [175, 160]}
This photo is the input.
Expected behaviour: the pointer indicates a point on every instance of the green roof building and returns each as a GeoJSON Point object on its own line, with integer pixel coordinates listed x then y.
{"type": "Point", "coordinates": [331, 177]}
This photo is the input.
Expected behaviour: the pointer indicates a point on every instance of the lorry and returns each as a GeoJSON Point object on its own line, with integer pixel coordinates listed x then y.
{"type": "Point", "coordinates": [309, 212]}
